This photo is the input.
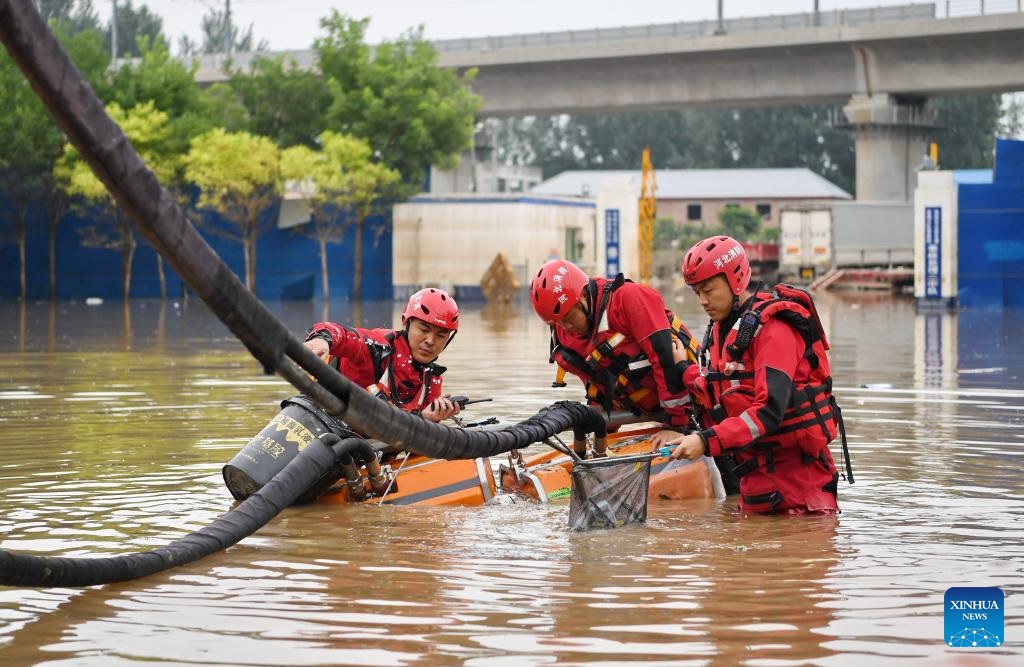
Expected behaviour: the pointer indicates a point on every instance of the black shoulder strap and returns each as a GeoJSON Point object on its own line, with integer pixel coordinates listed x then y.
{"type": "Point", "coordinates": [380, 353]}
{"type": "Point", "coordinates": [601, 301]}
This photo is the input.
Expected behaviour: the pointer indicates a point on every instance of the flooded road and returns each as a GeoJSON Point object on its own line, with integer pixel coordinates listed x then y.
{"type": "Point", "coordinates": [114, 424]}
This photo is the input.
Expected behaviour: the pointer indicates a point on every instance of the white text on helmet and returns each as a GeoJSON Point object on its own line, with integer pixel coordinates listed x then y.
{"type": "Point", "coordinates": [733, 253]}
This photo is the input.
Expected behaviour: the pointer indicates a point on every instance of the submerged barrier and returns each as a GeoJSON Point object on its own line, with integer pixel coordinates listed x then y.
{"type": "Point", "coordinates": [101, 142]}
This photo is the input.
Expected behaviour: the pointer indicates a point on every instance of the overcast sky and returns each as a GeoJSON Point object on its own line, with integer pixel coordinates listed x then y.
{"type": "Point", "coordinates": [293, 24]}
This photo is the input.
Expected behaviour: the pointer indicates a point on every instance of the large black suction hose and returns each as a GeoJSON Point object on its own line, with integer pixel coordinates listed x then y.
{"type": "Point", "coordinates": [82, 117]}
{"type": "Point", "coordinates": [244, 520]}
{"type": "Point", "coordinates": [75, 107]}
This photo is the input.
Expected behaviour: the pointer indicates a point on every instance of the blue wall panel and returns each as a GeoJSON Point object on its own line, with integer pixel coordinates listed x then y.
{"type": "Point", "coordinates": [287, 263]}
{"type": "Point", "coordinates": [991, 234]}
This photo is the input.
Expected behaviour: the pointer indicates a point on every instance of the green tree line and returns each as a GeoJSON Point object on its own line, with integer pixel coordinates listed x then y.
{"type": "Point", "coordinates": [794, 136]}
{"type": "Point", "coordinates": [358, 134]}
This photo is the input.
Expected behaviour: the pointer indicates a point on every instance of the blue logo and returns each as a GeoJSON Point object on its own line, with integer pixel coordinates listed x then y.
{"type": "Point", "coordinates": [974, 617]}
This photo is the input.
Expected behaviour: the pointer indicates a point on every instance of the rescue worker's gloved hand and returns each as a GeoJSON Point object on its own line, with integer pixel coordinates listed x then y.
{"type": "Point", "coordinates": [441, 408]}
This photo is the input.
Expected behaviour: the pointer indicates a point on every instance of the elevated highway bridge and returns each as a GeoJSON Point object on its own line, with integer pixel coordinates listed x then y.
{"type": "Point", "coordinates": [882, 64]}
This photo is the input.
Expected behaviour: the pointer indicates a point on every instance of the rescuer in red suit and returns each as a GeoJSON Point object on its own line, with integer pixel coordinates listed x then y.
{"type": "Point", "coordinates": [763, 387]}
{"type": "Point", "coordinates": [617, 337]}
{"type": "Point", "coordinates": [398, 366]}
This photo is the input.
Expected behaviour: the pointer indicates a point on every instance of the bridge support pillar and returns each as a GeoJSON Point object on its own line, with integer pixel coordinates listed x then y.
{"type": "Point", "coordinates": [890, 139]}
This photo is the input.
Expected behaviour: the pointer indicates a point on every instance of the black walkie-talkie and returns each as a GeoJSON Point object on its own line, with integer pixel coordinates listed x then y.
{"type": "Point", "coordinates": [749, 323]}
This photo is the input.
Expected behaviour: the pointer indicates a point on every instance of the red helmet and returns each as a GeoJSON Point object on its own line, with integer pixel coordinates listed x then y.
{"type": "Point", "coordinates": [557, 287]}
{"type": "Point", "coordinates": [718, 254]}
{"type": "Point", "coordinates": [433, 306]}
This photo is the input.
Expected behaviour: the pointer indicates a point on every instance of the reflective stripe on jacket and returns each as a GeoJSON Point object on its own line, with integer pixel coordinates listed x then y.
{"type": "Point", "coordinates": [626, 362]}
{"type": "Point", "coordinates": [381, 361]}
{"type": "Point", "coordinates": [773, 413]}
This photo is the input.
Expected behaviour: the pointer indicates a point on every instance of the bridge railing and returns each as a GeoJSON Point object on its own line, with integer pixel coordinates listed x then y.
{"type": "Point", "coordinates": [833, 18]}
{"type": "Point", "coordinates": [837, 17]}
{"type": "Point", "coordinates": [954, 8]}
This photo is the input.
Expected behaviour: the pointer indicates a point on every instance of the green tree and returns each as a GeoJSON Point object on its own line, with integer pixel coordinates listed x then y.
{"type": "Point", "coordinates": [217, 31]}
{"type": "Point", "coordinates": [410, 111]}
{"type": "Point", "coordinates": [968, 127]}
{"type": "Point", "coordinates": [170, 84]}
{"type": "Point", "coordinates": [342, 183]}
{"type": "Point", "coordinates": [1011, 125]}
{"type": "Point", "coordinates": [739, 222]}
{"type": "Point", "coordinates": [32, 143]}
{"type": "Point", "coordinates": [239, 176]}
{"type": "Point", "coordinates": [29, 137]}
{"type": "Point", "coordinates": [74, 16]}
{"type": "Point", "coordinates": [796, 136]}
{"type": "Point", "coordinates": [135, 25]}
{"type": "Point", "coordinates": [269, 90]}
{"type": "Point", "coordinates": [688, 139]}
{"type": "Point", "coordinates": [147, 128]}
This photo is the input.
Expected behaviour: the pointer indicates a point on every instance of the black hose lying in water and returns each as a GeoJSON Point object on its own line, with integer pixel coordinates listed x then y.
{"type": "Point", "coordinates": [154, 211]}
{"type": "Point", "coordinates": [101, 142]}
{"type": "Point", "coordinates": [305, 475]}
{"type": "Point", "coordinates": [244, 520]}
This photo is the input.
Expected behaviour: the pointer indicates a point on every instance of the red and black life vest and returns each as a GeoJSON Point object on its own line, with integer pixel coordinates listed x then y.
{"type": "Point", "coordinates": [381, 361]}
{"type": "Point", "coordinates": [812, 419]}
{"type": "Point", "coordinates": [616, 372]}
{"type": "Point", "coordinates": [400, 378]}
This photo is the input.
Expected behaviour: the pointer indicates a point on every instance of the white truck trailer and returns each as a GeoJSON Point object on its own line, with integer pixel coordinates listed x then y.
{"type": "Point", "coordinates": [805, 242]}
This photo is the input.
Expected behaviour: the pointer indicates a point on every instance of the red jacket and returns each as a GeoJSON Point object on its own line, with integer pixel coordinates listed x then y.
{"type": "Point", "coordinates": [381, 361]}
{"type": "Point", "coordinates": [626, 362]}
{"type": "Point", "coordinates": [774, 414]}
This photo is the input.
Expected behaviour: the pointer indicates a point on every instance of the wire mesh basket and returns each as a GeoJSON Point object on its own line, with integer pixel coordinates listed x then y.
{"type": "Point", "coordinates": [609, 492]}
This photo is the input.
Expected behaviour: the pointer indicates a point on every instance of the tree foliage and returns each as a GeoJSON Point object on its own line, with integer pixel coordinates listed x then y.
{"type": "Point", "coordinates": [968, 126]}
{"type": "Point", "coordinates": [801, 136]}
{"type": "Point", "coordinates": [269, 91]}
{"type": "Point", "coordinates": [31, 140]}
{"type": "Point", "coordinates": [148, 130]}
{"type": "Point", "coordinates": [169, 84]}
{"type": "Point", "coordinates": [135, 26]}
{"type": "Point", "coordinates": [739, 222]}
{"type": "Point", "coordinates": [239, 176]}
{"type": "Point", "coordinates": [394, 97]}
{"type": "Point", "coordinates": [688, 139]}
{"type": "Point", "coordinates": [218, 31]}
{"type": "Point", "coordinates": [342, 183]}
{"type": "Point", "coordinates": [413, 113]}
{"type": "Point", "coordinates": [74, 16]}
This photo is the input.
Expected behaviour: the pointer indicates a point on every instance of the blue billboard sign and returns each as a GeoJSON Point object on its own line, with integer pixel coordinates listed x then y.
{"type": "Point", "coordinates": [611, 242]}
{"type": "Point", "coordinates": [932, 252]}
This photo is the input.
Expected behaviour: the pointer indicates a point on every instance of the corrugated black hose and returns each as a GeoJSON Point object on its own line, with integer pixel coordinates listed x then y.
{"type": "Point", "coordinates": [245, 519]}
{"type": "Point", "coordinates": [101, 142]}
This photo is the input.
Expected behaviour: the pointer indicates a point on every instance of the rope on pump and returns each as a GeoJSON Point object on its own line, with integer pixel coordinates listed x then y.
{"type": "Point", "coordinates": [81, 115]}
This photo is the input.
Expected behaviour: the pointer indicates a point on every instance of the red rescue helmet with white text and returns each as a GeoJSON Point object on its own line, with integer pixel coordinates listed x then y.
{"type": "Point", "coordinates": [718, 254]}
{"type": "Point", "coordinates": [557, 287]}
{"type": "Point", "coordinates": [433, 306]}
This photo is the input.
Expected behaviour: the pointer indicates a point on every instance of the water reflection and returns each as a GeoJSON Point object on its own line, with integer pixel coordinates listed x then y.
{"type": "Point", "coordinates": [115, 422]}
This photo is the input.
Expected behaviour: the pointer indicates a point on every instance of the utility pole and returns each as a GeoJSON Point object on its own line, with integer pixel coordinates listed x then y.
{"type": "Point", "coordinates": [113, 34]}
{"type": "Point", "coordinates": [720, 29]}
{"type": "Point", "coordinates": [817, 14]}
{"type": "Point", "coordinates": [227, 27]}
